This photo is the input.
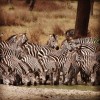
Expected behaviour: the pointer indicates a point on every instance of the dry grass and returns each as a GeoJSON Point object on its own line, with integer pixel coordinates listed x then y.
{"type": "Point", "coordinates": [46, 18]}
{"type": "Point", "coordinates": [35, 36]}
{"type": "Point", "coordinates": [58, 30]}
{"type": "Point", "coordinates": [50, 5]}
{"type": "Point", "coordinates": [15, 17]}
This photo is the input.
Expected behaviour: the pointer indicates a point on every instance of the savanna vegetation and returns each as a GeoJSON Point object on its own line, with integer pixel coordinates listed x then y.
{"type": "Point", "coordinates": [47, 17]}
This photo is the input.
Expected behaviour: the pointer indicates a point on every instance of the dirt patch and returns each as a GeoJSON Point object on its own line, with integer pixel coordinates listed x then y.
{"type": "Point", "coordinates": [28, 93]}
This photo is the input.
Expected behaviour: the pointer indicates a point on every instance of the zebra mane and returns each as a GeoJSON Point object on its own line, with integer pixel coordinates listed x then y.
{"type": "Point", "coordinates": [10, 39]}
{"type": "Point", "coordinates": [54, 36]}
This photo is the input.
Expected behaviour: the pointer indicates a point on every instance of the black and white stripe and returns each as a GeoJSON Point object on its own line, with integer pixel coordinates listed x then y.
{"type": "Point", "coordinates": [38, 50]}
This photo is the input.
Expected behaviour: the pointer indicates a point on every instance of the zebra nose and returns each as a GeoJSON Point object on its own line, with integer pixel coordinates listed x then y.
{"type": "Point", "coordinates": [57, 48]}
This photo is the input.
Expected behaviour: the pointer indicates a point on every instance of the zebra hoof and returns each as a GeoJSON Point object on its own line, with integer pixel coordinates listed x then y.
{"type": "Point", "coordinates": [65, 83]}
{"type": "Point", "coordinates": [35, 83]}
{"type": "Point", "coordinates": [1, 81]}
{"type": "Point", "coordinates": [56, 83]}
{"type": "Point", "coordinates": [76, 83]}
{"type": "Point", "coordinates": [40, 83]}
{"type": "Point", "coordinates": [29, 83]}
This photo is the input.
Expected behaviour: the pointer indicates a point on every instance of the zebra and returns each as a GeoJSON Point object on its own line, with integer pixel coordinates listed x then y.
{"type": "Point", "coordinates": [11, 55]}
{"type": "Point", "coordinates": [70, 33]}
{"type": "Point", "coordinates": [86, 59]}
{"type": "Point", "coordinates": [70, 37]}
{"type": "Point", "coordinates": [6, 44]}
{"type": "Point", "coordinates": [35, 68]}
{"type": "Point", "coordinates": [87, 50]}
{"type": "Point", "coordinates": [14, 49]}
{"type": "Point", "coordinates": [54, 64]}
{"type": "Point", "coordinates": [95, 80]}
{"type": "Point", "coordinates": [19, 70]}
{"type": "Point", "coordinates": [93, 41]}
{"type": "Point", "coordinates": [32, 50]}
{"type": "Point", "coordinates": [7, 77]}
{"type": "Point", "coordinates": [35, 49]}
{"type": "Point", "coordinates": [87, 40]}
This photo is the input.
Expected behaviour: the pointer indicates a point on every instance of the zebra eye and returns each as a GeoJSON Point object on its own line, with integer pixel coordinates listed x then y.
{"type": "Point", "coordinates": [53, 41]}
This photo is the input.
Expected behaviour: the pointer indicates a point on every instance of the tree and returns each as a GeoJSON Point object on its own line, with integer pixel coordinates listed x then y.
{"type": "Point", "coordinates": [92, 3]}
{"type": "Point", "coordinates": [1, 34]}
{"type": "Point", "coordinates": [82, 18]}
{"type": "Point", "coordinates": [31, 4]}
{"type": "Point", "coordinates": [9, 1]}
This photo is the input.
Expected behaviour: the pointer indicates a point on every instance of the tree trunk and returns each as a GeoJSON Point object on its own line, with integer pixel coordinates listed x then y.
{"type": "Point", "coordinates": [82, 18]}
{"type": "Point", "coordinates": [32, 3]}
{"type": "Point", "coordinates": [27, 1]}
{"type": "Point", "coordinates": [92, 3]}
{"type": "Point", "coordinates": [9, 1]}
{"type": "Point", "coordinates": [0, 48]}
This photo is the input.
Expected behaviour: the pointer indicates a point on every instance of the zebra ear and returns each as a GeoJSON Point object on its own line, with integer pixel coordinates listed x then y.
{"type": "Point", "coordinates": [46, 70]}
{"type": "Point", "coordinates": [50, 35]}
{"type": "Point", "coordinates": [56, 36]}
{"type": "Point", "coordinates": [1, 34]}
{"type": "Point", "coordinates": [24, 33]}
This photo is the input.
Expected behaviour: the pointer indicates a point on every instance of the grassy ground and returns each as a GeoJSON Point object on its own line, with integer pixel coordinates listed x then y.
{"type": "Point", "coordinates": [74, 87]}
{"type": "Point", "coordinates": [46, 18]}
{"type": "Point", "coordinates": [36, 93]}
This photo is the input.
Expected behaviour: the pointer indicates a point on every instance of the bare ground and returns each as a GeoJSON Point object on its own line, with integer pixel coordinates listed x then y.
{"type": "Point", "coordinates": [28, 93]}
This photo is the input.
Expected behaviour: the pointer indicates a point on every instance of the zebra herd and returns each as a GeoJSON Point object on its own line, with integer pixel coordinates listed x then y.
{"type": "Point", "coordinates": [25, 63]}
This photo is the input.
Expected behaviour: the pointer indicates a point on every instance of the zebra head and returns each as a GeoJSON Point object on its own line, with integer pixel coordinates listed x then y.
{"type": "Point", "coordinates": [22, 39]}
{"type": "Point", "coordinates": [12, 39]}
{"type": "Point", "coordinates": [7, 75]}
{"type": "Point", "coordinates": [6, 79]}
{"type": "Point", "coordinates": [26, 80]}
{"type": "Point", "coordinates": [53, 42]}
{"type": "Point", "coordinates": [9, 42]}
{"type": "Point", "coordinates": [70, 33]}
{"type": "Point", "coordinates": [33, 79]}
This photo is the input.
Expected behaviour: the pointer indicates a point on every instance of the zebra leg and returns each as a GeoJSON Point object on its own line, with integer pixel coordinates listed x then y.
{"type": "Point", "coordinates": [63, 77]}
{"type": "Point", "coordinates": [57, 77]}
{"type": "Point", "coordinates": [46, 79]}
{"type": "Point", "coordinates": [70, 81]}
{"type": "Point", "coordinates": [75, 79]}
{"type": "Point", "coordinates": [84, 77]}
{"type": "Point", "coordinates": [51, 78]}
